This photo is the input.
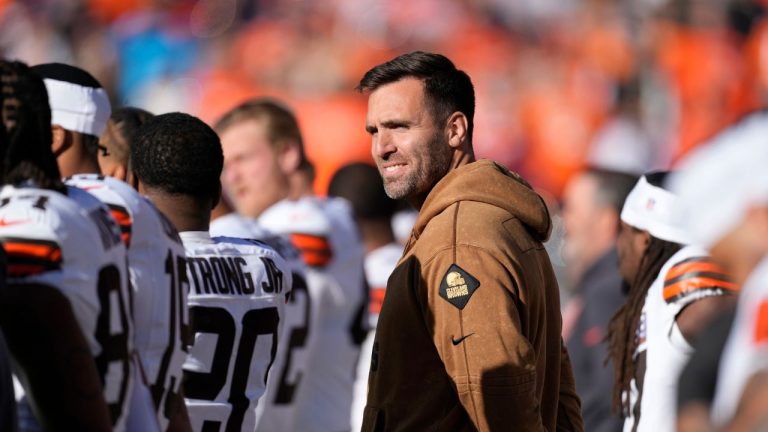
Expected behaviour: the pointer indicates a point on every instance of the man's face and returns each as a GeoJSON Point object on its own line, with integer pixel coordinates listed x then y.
{"type": "Point", "coordinates": [631, 246]}
{"type": "Point", "coordinates": [108, 163]}
{"type": "Point", "coordinates": [410, 150]}
{"type": "Point", "coordinates": [252, 176]}
{"type": "Point", "coordinates": [580, 216]}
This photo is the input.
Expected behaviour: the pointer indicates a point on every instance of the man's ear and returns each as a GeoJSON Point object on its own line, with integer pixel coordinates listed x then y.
{"type": "Point", "coordinates": [120, 173]}
{"type": "Point", "coordinates": [289, 157]}
{"type": "Point", "coordinates": [131, 179]}
{"type": "Point", "coordinates": [138, 185]}
{"type": "Point", "coordinates": [457, 129]}
{"type": "Point", "coordinates": [62, 140]}
{"type": "Point", "coordinates": [646, 238]}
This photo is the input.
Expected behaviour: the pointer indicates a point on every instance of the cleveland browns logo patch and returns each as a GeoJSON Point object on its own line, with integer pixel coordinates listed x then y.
{"type": "Point", "coordinates": [458, 286]}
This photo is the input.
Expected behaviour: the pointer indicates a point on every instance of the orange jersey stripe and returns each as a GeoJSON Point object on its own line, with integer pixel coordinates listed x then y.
{"type": "Point", "coordinates": [376, 300]}
{"type": "Point", "coordinates": [315, 250]}
{"type": "Point", "coordinates": [306, 241]}
{"type": "Point", "coordinates": [123, 218]}
{"type": "Point", "coordinates": [696, 283]}
{"type": "Point", "coordinates": [696, 266]}
{"type": "Point", "coordinates": [315, 259]}
{"type": "Point", "coordinates": [34, 250]}
{"type": "Point", "coordinates": [761, 323]}
{"type": "Point", "coordinates": [27, 256]}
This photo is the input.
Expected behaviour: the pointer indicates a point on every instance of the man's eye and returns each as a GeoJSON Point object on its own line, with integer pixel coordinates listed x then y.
{"type": "Point", "coordinates": [103, 149]}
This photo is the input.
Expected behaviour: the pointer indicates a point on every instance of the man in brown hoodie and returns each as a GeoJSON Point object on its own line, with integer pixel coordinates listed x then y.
{"type": "Point", "coordinates": [469, 332]}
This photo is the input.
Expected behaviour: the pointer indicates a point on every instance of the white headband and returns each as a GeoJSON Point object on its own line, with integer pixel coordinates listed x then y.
{"type": "Point", "coordinates": [653, 209]}
{"type": "Point", "coordinates": [78, 108]}
{"type": "Point", "coordinates": [718, 182]}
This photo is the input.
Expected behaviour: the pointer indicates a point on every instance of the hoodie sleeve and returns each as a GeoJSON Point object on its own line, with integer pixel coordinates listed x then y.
{"type": "Point", "coordinates": [477, 332]}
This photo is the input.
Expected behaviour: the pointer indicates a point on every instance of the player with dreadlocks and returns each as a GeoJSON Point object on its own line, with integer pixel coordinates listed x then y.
{"type": "Point", "coordinates": [45, 294]}
{"type": "Point", "coordinates": [673, 289]}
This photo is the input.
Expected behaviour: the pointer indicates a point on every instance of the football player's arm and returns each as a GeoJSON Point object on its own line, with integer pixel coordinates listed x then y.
{"type": "Point", "coordinates": [477, 332]}
{"type": "Point", "coordinates": [54, 361]}
{"type": "Point", "coordinates": [752, 411]}
{"type": "Point", "coordinates": [695, 316]}
{"type": "Point", "coordinates": [701, 290]}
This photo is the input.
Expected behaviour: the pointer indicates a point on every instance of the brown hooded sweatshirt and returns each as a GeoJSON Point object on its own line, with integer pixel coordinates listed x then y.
{"type": "Point", "coordinates": [469, 332]}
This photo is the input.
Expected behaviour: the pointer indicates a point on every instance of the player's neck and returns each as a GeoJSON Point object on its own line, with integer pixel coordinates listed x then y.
{"type": "Point", "coordinates": [78, 165]}
{"type": "Point", "coordinates": [299, 185]}
{"type": "Point", "coordinates": [185, 212]}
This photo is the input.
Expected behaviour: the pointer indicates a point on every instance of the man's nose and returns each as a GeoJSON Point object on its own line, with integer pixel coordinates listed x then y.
{"type": "Point", "coordinates": [383, 145]}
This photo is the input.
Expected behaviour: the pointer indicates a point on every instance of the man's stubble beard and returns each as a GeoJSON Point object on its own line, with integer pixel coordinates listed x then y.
{"type": "Point", "coordinates": [421, 181]}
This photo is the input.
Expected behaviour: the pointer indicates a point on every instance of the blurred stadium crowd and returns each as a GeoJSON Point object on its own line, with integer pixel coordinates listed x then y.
{"type": "Point", "coordinates": [579, 96]}
{"type": "Point", "coordinates": [556, 80]}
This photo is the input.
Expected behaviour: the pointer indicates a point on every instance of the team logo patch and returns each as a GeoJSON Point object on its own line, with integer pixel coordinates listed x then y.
{"type": "Point", "coordinates": [458, 286]}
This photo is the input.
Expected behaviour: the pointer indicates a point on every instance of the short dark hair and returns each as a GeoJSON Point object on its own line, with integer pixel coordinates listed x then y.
{"type": "Point", "coordinates": [90, 144]}
{"type": "Point", "coordinates": [66, 73]}
{"type": "Point", "coordinates": [657, 178]}
{"type": "Point", "coordinates": [127, 121]}
{"type": "Point", "coordinates": [26, 117]}
{"type": "Point", "coordinates": [360, 183]}
{"type": "Point", "coordinates": [179, 155]}
{"type": "Point", "coordinates": [280, 122]}
{"type": "Point", "coordinates": [447, 88]}
{"type": "Point", "coordinates": [612, 186]}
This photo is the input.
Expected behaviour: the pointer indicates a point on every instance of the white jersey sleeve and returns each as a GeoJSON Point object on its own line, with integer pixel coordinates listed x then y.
{"type": "Point", "coordinates": [157, 269]}
{"type": "Point", "coordinates": [688, 276]}
{"type": "Point", "coordinates": [53, 240]}
{"type": "Point", "coordinates": [238, 290]}
{"type": "Point", "coordinates": [746, 351]}
{"type": "Point", "coordinates": [333, 323]}
{"type": "Point", "coordinates": [276, 409]}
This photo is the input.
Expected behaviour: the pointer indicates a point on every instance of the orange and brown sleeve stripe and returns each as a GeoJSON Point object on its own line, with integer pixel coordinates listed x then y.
{"type": "Point", "coordinates": [27, 257]}
{"type": "Point", "coordinates": [123, 218]}
{"type": "Point", "coordinates": [376, 300]}
{"type": "Point", "coordinates": [696, 275]}
{"type": "Point", "coordinates": [761, 323]}
{"type": "Point", "coordinates": [315, 250]}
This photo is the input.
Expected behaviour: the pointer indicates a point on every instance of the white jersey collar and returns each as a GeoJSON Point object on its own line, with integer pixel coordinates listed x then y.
{"type": "Point", "coordinates": [196, 237]}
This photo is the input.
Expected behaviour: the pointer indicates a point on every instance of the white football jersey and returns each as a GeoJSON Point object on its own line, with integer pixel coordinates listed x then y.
{"type": "Point", "coordinates": [72, 244]}
{"type": "Point", "coordinates": [332, 329]}
{"type": "Point", "coordinates": [379, 264]}
{"type": "Point", "coordinates": [746, 351]}
{"type": "Point", "coordinates": [274, 412]}
{"type": "Point", "coordinates": [689, 275]}
{"type": "Point", "coordinates": [237, 292]}
{"type": "Point", "coordinates": [157, 269]}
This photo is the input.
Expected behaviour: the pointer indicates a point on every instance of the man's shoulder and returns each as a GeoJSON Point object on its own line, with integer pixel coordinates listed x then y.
{"type": "Point", "coordinates": [493, 227]}
{"type": "Point", "coordinates": [479, 225]}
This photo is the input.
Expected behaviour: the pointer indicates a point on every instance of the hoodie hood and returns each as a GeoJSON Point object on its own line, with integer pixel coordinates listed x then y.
{"type": "Point", "coordinates": [488, 182]}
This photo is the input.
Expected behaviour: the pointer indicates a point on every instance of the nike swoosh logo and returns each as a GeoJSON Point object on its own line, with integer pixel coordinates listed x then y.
{"type": "Point", "coordinates": [4, 222]}
{"type": "Point", "coordinates": [460, 340]}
